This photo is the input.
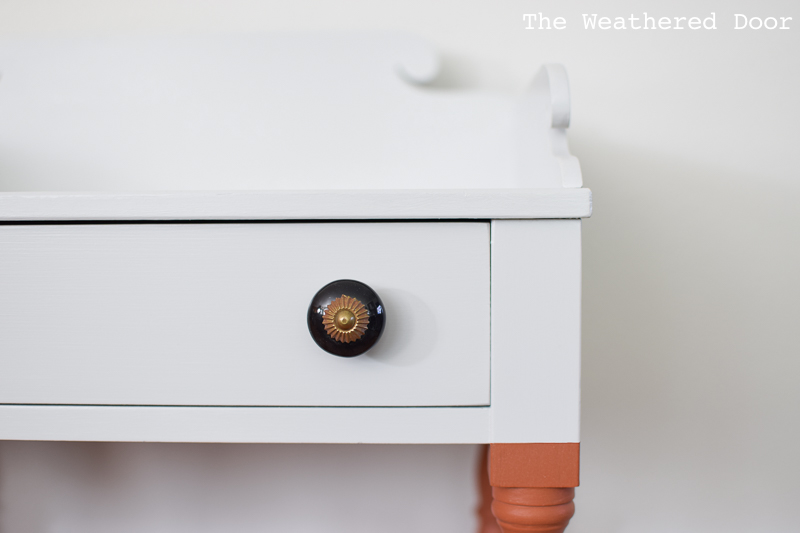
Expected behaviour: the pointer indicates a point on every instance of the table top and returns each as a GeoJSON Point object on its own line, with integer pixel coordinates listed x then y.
{"type": "Point", "coordinates": [299, 205]}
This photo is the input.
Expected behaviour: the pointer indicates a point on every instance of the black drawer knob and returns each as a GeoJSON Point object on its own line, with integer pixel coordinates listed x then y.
{"type": "Point", "coordinates": [346, 318]}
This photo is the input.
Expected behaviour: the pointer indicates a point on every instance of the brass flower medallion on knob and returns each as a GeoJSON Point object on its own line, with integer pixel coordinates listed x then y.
{"type": "Point", "coordinates": [346, 319]}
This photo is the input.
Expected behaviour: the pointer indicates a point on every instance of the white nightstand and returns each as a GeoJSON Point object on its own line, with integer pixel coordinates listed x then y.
{"type": "Point", "coordinates": [181, 316]}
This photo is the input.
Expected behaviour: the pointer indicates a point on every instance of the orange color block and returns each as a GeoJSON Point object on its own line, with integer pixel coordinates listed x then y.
{"type": "Point", "coordinates": [532, 487]}
{"type": "Point", "coordinates": [539, 465]}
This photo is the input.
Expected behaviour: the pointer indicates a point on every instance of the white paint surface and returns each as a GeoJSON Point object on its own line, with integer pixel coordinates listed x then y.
{"type": "Point", "coordinates": [264, 111]}
{"type": "Point", "coordinates": [215, 314]}
{"type": "Point", "coordinates": [76, 333]}
{"type": "Point", "coordinates": [300, 205]}
{"type": "Point", "coordinates": [536, 324]}
{"type": "Point", "coordinates": [690, 337]}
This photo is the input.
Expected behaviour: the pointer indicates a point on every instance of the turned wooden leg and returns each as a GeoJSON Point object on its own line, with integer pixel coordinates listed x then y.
{"type": "Point", "coordinates": [528, 510]}
{"type": "Point", "coordinates": [487, 523]}
{"type": "Point", "coordinates": [533, 485]}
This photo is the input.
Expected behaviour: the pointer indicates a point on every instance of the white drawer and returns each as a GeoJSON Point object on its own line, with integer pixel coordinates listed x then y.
{"type": "Point", "coordinates": [215, 314]}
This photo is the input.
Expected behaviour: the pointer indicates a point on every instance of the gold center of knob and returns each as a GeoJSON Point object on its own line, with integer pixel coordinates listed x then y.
{"type": "Point", "coordinates": [345, 319]}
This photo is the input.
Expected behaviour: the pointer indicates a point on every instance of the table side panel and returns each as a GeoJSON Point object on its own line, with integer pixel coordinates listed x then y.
{"type": "Point", "coordinates": [536, 326]}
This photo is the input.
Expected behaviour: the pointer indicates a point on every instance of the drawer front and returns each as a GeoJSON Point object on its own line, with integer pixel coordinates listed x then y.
{"type": "Point", "coordinates": [215, 314]}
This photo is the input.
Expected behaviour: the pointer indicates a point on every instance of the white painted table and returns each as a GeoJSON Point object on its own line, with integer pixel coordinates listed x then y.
{"type": "Point", "coordinates": [180, 316]}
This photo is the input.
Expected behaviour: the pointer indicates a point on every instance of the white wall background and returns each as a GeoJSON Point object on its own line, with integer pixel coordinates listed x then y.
{"type": "Point", "coordinates": [691, 420]}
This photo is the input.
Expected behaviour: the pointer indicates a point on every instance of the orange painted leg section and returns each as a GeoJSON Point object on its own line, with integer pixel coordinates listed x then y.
{"type": "Point", "coordinates": [487, 523]}
{"type": "Point", "coordinates": [545, 510]}
{"type": "Point", "coordinates": [533, 486]}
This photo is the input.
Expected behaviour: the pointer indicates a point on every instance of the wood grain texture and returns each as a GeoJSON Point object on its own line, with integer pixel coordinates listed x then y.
{"type": "Point", "coordinates": [300, 205]}
{"type": "Point", "coordinates": [215, 314]}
